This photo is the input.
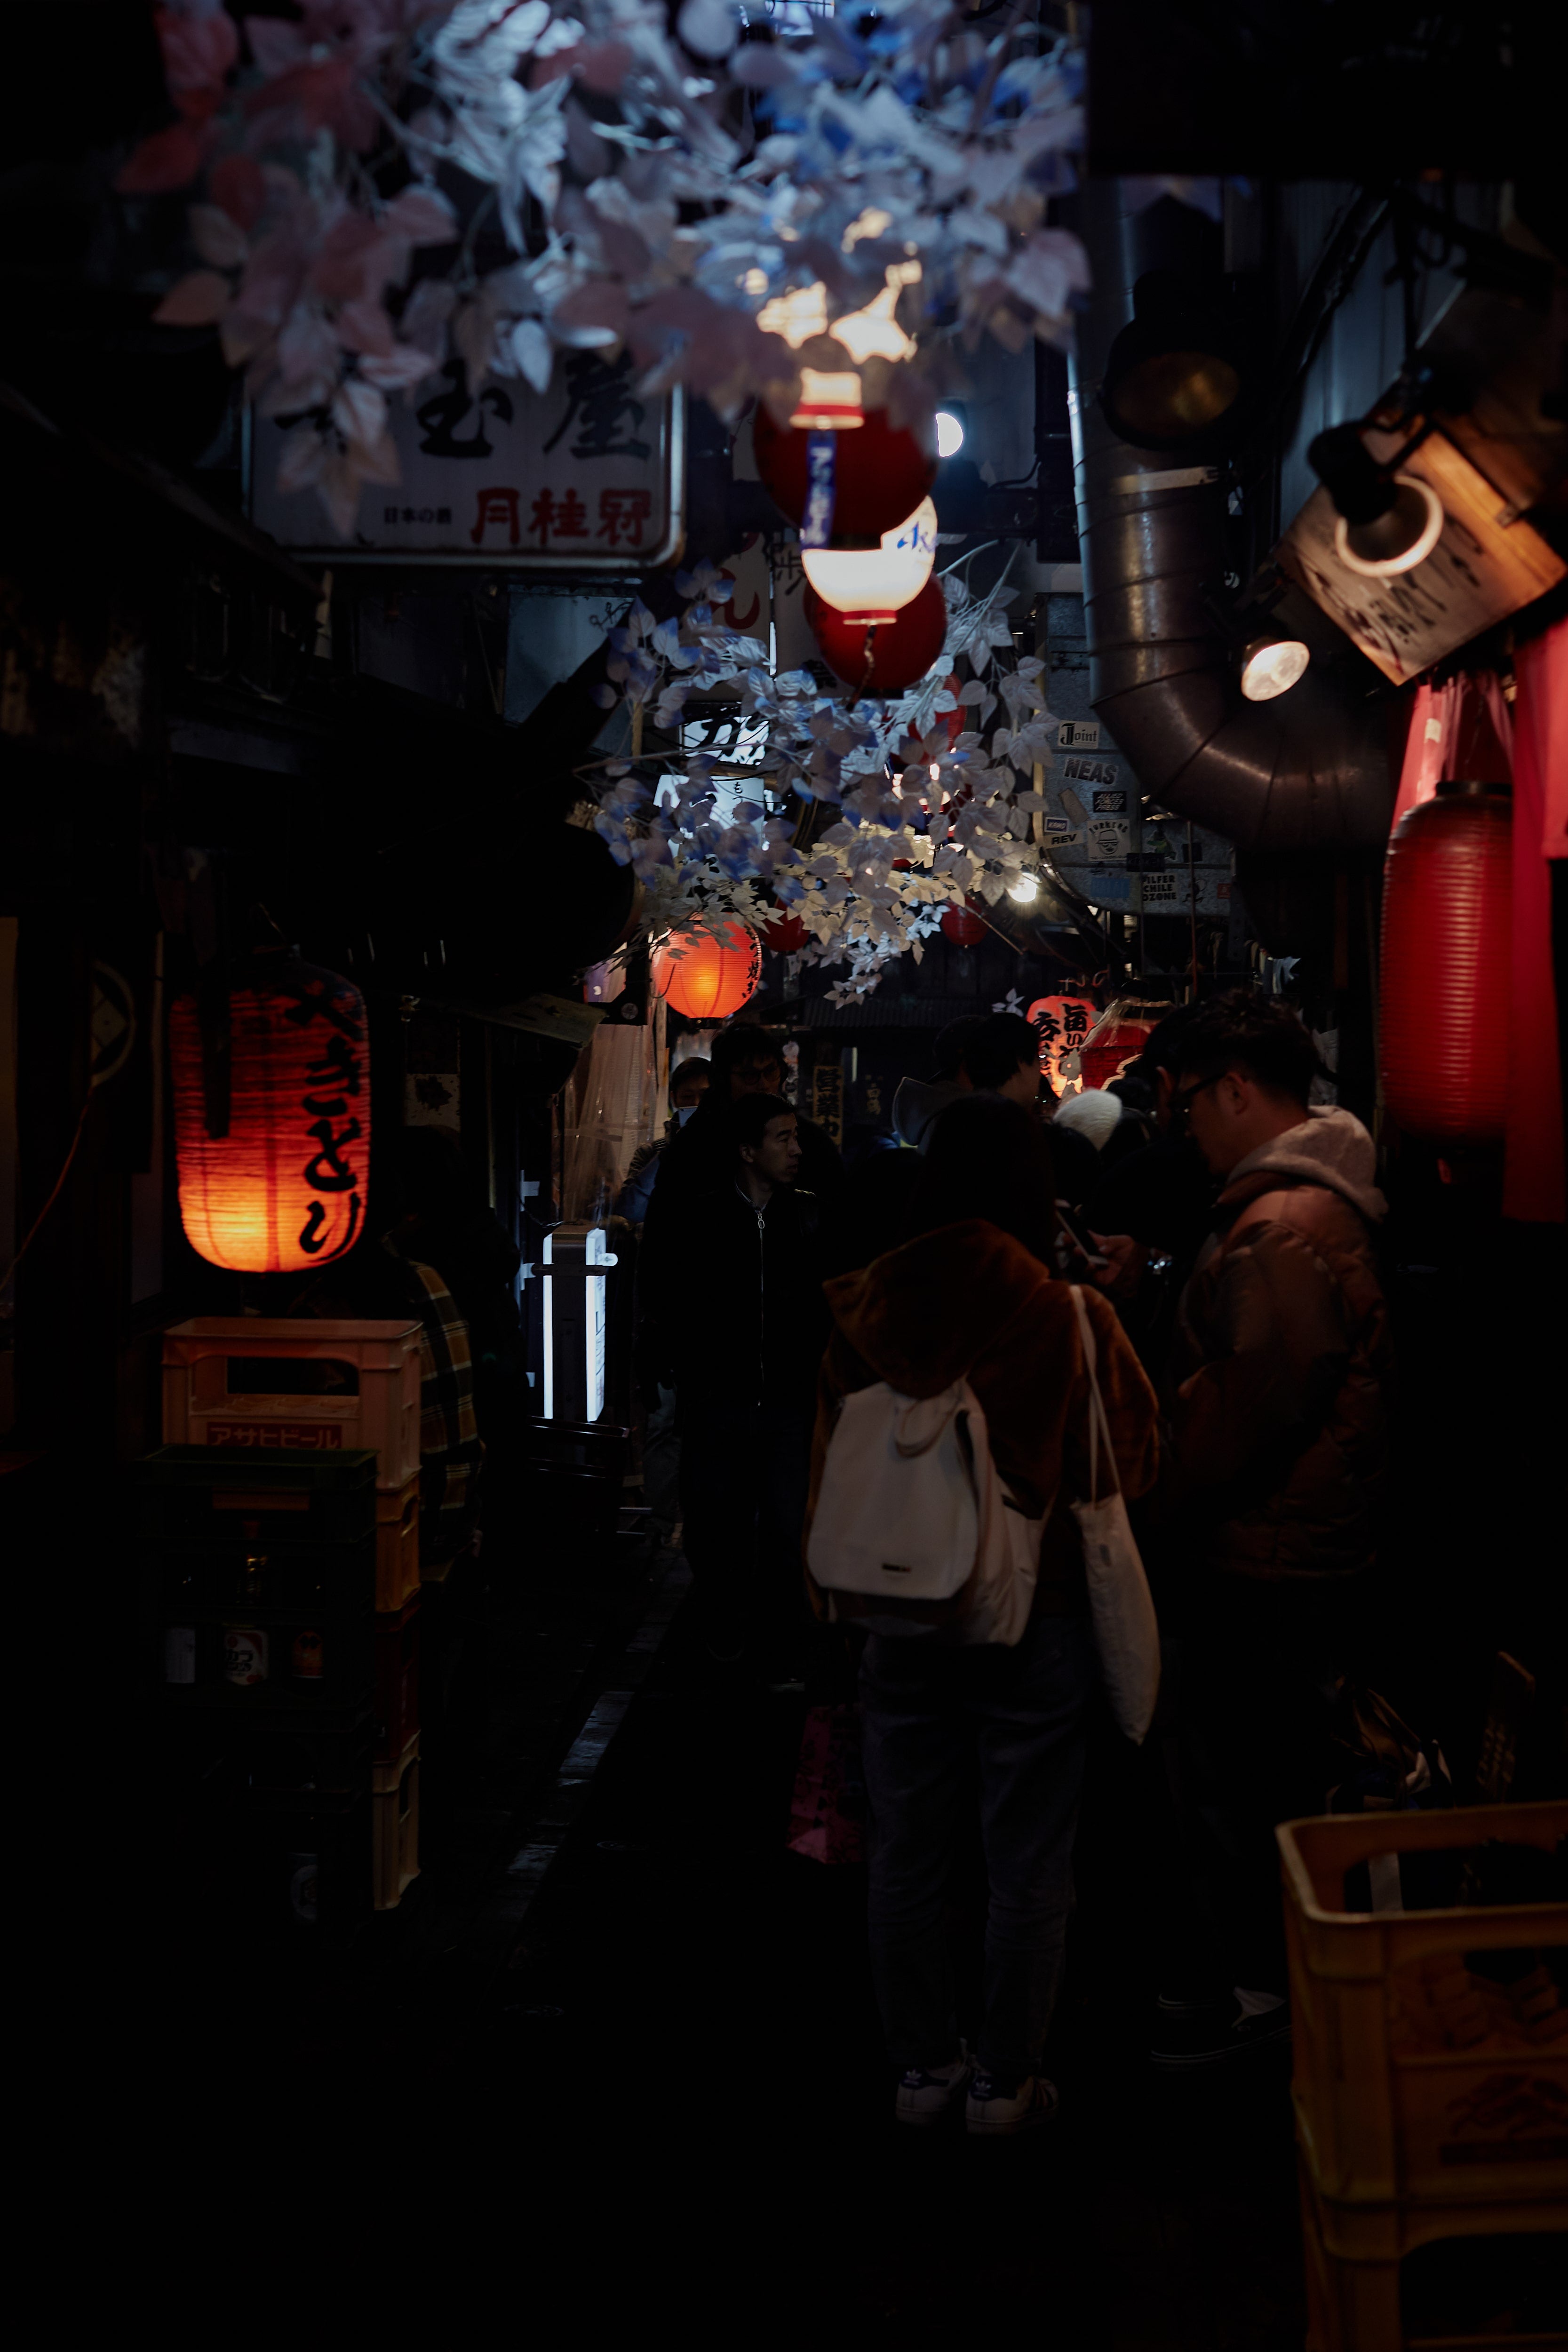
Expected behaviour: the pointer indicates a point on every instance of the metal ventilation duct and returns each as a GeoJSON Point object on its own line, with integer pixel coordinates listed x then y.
{"type": "Point", "coordinates": [1307, 770]}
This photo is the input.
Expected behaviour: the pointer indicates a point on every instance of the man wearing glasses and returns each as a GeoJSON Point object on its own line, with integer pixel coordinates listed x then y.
{"type": "Point", "coordinates": [1278, 1444]}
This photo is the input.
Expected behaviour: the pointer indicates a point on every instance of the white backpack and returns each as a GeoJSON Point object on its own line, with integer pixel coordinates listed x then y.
{"type": "Point", "coordinates": [914, 1530]}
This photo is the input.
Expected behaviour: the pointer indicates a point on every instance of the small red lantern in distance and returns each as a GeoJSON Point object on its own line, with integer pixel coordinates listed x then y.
{"type": "Point", "coordinates": [1443, 993]}
{"type": "Point", "coordinates": [706, 977]}
{"type": "Point", "coordinates": [784, 932]}
{"type": "Point", "coordinates": [285, 1186]}
{"type": "Point", "coordinates": [901, 650]}
{"type": "Point", "coordinates": [964, 928]}
{"type": "Point", "coordinates": [880, 473]}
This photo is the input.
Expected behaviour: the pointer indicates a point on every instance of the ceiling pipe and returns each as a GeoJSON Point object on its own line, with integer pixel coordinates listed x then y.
{"type": "Point", "coordinates": [1309, 769]}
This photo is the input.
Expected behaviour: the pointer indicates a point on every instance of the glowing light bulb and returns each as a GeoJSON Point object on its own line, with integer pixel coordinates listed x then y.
{"type": "Point", "coordinates": [1271, 666]}
{"type": "Point", "coordinates": [936, 771]}
{"type": "Point", "coordinates": [949, 433]}
{"type": "Point", "coordinates": [1025, 888]}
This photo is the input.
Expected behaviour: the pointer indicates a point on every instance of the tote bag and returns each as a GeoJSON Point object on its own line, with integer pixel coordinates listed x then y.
{"type": "Point", "coordinates": [1126, 1633]}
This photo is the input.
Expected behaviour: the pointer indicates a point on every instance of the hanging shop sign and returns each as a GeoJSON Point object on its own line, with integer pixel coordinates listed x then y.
{"type": "Point", "coordinates": [1487, 561]}
{"type": "Point", "coordinates": [585, 478]}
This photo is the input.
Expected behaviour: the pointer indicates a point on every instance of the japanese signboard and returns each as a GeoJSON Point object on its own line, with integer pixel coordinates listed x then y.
{"type": "Point", "coordinates": [586, 477]}
{"type": "Point", "coordinates": [1486, 564]}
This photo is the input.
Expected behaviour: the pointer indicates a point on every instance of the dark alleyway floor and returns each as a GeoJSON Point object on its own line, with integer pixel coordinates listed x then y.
{"type": "Point", "coordinates": [618, 2021]}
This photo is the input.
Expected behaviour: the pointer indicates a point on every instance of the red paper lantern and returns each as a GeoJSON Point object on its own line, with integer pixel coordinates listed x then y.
{"type": "Point", "coordinates": [880, 473]}
{"type": "Point", "coordinates": [708, 977]}
{"type": "Point", "coordinates": [1447, 910]}
{"type": "Point", "coordinates": [784, 932]}
{"type": "Point", "coordinates": [887, 657]}
{"type": "Point", "coordinates": [963, 927]}
{"type": "Point", "coordinates": [1117, 1038]}
{"type": "Point", "coordinates": [284, 1186]}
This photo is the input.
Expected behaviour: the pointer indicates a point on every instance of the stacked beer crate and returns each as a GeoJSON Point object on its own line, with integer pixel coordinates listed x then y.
{"type": "Point", "coordinates": [280, 1531]}
{"type": "Point", "coordinates": [1430, 2035]}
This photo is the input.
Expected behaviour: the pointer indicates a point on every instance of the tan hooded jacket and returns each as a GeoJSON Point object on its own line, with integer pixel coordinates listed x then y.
{"type": "Point", "coordinates": [970, 1300]}
{"type": "Point", "coordinates": [1278, 1420]}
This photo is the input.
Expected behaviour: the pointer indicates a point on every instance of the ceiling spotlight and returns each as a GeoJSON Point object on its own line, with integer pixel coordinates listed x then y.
{"type": "Point", "coordinates": [1387, 522]}
{"type": "Point", "coordinates": [950, 433]}
{"type": "Point", "coordinates": [1025, 888]}
{"type": "Point", "coordinates": [1271, 666]}
{"type": "Point", "coordinates": [1174, 376]}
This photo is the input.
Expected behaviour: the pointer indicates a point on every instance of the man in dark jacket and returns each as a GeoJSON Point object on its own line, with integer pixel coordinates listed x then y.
{"type": "Point", "coordinates": [746, 1327]}
{"type": "Point", "coordinates": [743, 1060]}
{"type": "Point", "coordinates": [1278, 1423]}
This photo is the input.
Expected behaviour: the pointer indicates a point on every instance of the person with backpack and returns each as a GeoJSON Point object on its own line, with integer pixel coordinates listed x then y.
{"type": "Point", "coordinates": [951, 1720]}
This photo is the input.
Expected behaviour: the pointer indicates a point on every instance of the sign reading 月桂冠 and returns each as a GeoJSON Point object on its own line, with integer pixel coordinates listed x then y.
{"type": "Point", "coordinates": [584, 478]}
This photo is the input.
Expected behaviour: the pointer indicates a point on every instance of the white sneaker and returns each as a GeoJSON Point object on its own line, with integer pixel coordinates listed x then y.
{"type": "Point", "coordinates": [987, 2110]}
{"type": "Point", "coordinates": [929, 2094]}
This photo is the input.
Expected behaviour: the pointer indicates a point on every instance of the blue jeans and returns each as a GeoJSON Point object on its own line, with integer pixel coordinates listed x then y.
{"type": "Point", "coordinates": [942, 1727]}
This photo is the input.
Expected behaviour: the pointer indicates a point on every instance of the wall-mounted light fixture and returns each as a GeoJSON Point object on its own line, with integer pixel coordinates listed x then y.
{"type": "Point", "coordinates": [1271, 666]}
{"type": "Point", "coordinates": [1177, 372]}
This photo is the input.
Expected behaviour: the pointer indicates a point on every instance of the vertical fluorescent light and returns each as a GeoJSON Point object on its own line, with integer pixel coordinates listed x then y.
{"type": "Point", "coordinates": [550, 1328]}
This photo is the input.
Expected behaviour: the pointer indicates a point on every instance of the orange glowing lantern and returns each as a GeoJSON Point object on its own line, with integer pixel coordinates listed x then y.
{"type": "Point", "coordinates": [1063, 1022]}
{"type": "Point", "coordinates": [706, 975]}
{"type": "Point", "coordinates": [274, 1172]}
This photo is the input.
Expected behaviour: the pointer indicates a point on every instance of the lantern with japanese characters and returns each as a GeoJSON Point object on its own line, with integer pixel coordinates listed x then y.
{"type": "Point", "coordinates": [272, 1118]}
{"type": "Point", "coordinates": [708, 975]}
{"type": "Point", "coordinates": [862, 481]}
{"type": "Point", "coordinates": [1444, 1008]}
{"type": "Point", "coordinates": [1061, 1024]}
{"type": "Point", "coordinates": [875, 583]}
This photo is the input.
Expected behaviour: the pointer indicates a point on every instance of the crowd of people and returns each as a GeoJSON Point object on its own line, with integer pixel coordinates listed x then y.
{"type": "Point", "coordinates": [1219, 1231]}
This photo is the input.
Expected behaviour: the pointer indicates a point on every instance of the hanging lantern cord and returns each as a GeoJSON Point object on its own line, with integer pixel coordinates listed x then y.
{"type": "Point", "coordinates": [870, 670]}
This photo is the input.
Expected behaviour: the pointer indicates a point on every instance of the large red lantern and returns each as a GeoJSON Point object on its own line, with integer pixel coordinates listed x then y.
{"type": "Point", "coordinates": [1447, 909]}
{"type": "Point", "coordinates": [881, 656]}
{"type": "Point", "coordinates": [708, 976]}
{"type": "Point", "coordinates": [880, 473]}
{"type": "Point", "coordinates": [275, 1179]}
{"type": "Point", "coordinates": [963, 927]}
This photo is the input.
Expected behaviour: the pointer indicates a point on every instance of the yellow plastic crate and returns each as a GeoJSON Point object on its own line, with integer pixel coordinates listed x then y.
{"type": "Point", "coordinates": [1416, 2080]}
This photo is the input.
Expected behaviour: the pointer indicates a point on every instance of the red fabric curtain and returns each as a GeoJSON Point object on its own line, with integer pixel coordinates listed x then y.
{"type": "Point", "coordinates": [1533, 1176]}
